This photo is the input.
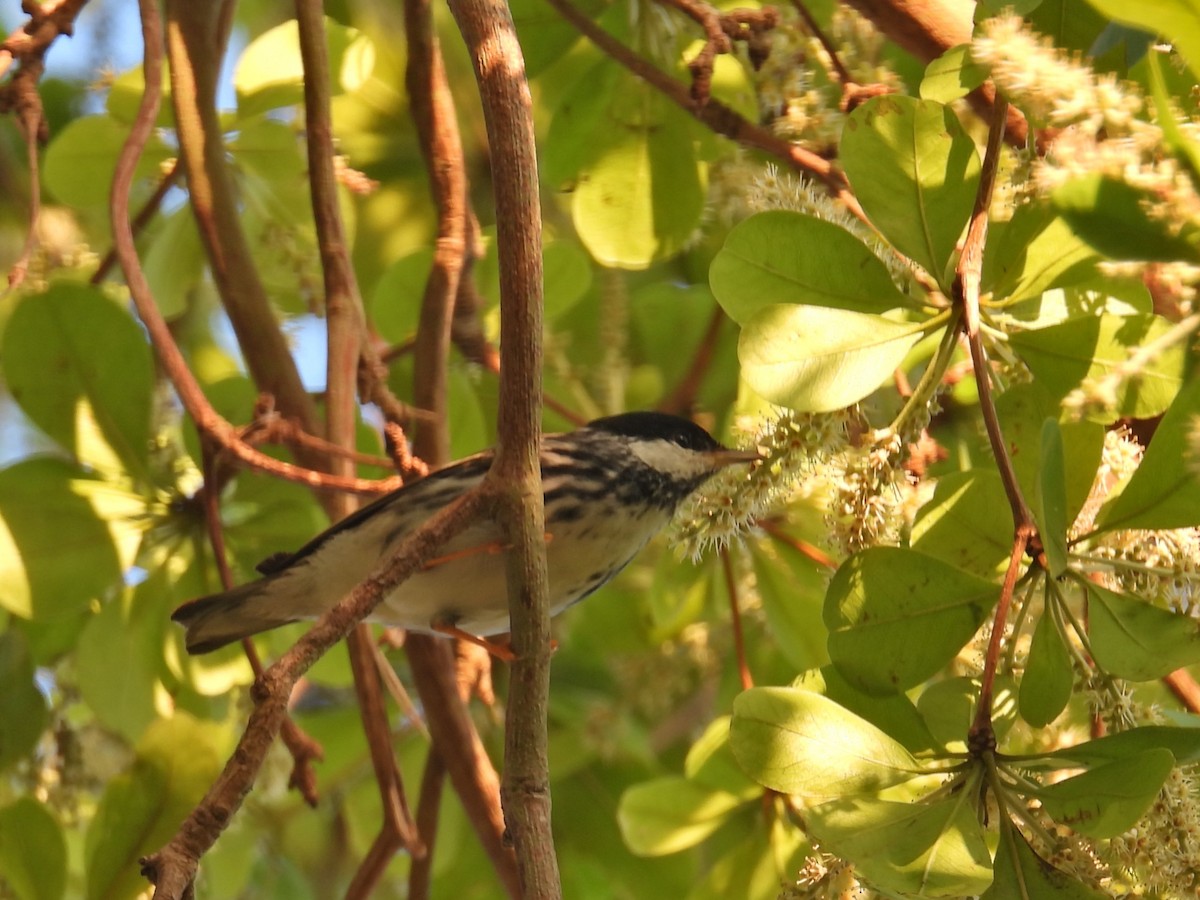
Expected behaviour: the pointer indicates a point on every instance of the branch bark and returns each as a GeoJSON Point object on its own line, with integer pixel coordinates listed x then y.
{"type": "Point", "coordinates": [488, 30]}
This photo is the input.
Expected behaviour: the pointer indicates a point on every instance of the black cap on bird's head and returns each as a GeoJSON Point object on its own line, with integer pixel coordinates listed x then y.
{"type": "Point", "coordinates": [682, 433]}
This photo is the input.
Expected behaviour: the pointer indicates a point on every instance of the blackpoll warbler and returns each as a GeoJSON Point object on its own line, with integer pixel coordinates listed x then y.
{"type": "Point", "coordinates": [609, 488]}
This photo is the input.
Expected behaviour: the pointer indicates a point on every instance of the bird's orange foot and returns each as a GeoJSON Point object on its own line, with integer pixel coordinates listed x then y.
{"type": "Point", "coordinates": [498, 650]}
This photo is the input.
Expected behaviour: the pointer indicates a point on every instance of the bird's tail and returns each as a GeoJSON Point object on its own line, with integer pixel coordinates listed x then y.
{"type": "Point", "coordinates": [220, 619]}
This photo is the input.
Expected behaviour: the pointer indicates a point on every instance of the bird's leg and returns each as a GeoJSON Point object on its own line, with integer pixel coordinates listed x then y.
{"type": "Point", "coordinates": [500, 651]}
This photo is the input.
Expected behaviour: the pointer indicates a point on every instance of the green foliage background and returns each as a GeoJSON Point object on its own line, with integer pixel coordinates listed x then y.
{"type": "Point", "coordinates": [669, 780]}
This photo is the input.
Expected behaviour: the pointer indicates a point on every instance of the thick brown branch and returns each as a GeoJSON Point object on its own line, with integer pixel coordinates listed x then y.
{"type": "Point", "coordinates": [345, 339]}
{"type": "Point", "coordinates": [491, 38]}
{"type": "Point", "coordinates": [196, 39]}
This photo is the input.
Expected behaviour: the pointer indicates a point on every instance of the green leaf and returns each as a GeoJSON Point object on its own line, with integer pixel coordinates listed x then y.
{"type": "Point", "coordinates": [1182, 742]}
{"type": "Point", "coordinates": [911, 849]}
{"type": "Point", "coordinates": [1020, 874]}
{"type": "Point", "coordinates": [948, 707]}
{"type": "Point", "coordinates": [813, 359]}
{"type": "Point", "coordinates": [395, 301]}
{"type": "Point", "coordinates": [798, 742]}
{"type": "Point", "coordinates": [1046, 684]}
{"type": "Point", "coordinates": [952, 75]}
{"type": "Point", "coordinates": [76, 332]}
{"type": "Point", "coordinates": [1033, 252]}
{"type": "Point", "coordinates": [1108, 800]}
{"type": "Point", "coordinates": [1163, 492]}
{"type": "Point", "coordinates": [767, 855]}
{"type": "Point", "coordinates": [769, 258]}
{"type": "Point", "coordinates": [967, 522]}
{"type": "Point", "coordinates": [1024, 409]}
{"type": "Point", "coordinates": [1062, 357]}
{"type": "Point", "coordinates": [23, 714]}
{"type": "Point", "coordinates": [1134, 639]}
{"type": "Point", "coordinates": [670, 814]}
{"type": "Point", "coordinates": [791, 587]}
{"type": "Point", "coordinates": [896, 617]}
{"type": "Point", "coordinates": [174, 262]}
{"type": "Point", "coordinates": [129, 628]}
{"type": "Point", "coordinates": [894, 714]}
{"type": "Point", "coordinates": [640, 196]}
{"type": "Point", "coordinates": [1111, 216]}
{"type": "Point", "coordinates": [1051, 499]}
{"type": "Point", "coordinates": [65, 539]}
{"type": "Point", "coordinates": [1176, 20]}
{"type": "Point", "coordinates": [142, 807]}
{"type": "Point", "coordinates": [1185, 149]}
{"type": "Point", "coordinates": [710, 763]}
{"type": "Point", "coordinates": [916, 172]}
{"type": "Point", "coordinates": [90, 145]}
{"type": "Point", "coordinates": [33, 852]}
{"type": "Point", "coordinates": [270, 73]}
{"type": "Point", "coordinates": [1071, 24]}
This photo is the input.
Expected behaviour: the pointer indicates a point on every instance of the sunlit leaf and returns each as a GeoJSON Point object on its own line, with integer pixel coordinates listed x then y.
{"type": "Point", "coordinates": [967, 522]}
{"type": "Point", "coordinates": [710, 762]}
{"type": "Point", "coordinates": [896, 617]}
{"type": "Point", "coordinates": [772, 258]}
{"type": "Point", "coordinates": [814, 359]}
{"type": "Point", "coordinates": [798, 742]}
{"type": "Point", "coordinates": [640, 196]}
{"type": "Point", "coordinates": [1163, 492]}
{"type": "Point", "coordinates": [912, 849]}
{"type": "Point", "coordinates": [1020, 874]}
{"type": "Point", "coordinates": [1108, 800]}
{"type": "Point", "coordinates": [1111, 216]}
{"type": "Point", "coordinates": [1134, 639]}
{"type": "Point", "coordinates": [1182, 742]}
{"type": "Point", "coordinates": [270, 73]}
{"type": "Point", "coordinates": [90, 145]}
{"type": "Point", "coordinates": [952, 76]}
{"type": "Point", "coordinates": [1051, 499]}
{"type": "Point", "coordinates": [76, 332]}
{"type": "Point", "coordinates": [949, 706]}
{"type": "Point", "coordinates": [64, 538]}
{"type": "Point", "coordinates": [1033, 252]}
{"type": "Point", "coordinates": [1048, 678]}
{"type": "Point", "coordinates": [894, 714]}
{"type": "Point", "coordinates": [915, 171]}
{"type": "Point", "coordinates": [1065, 356]}
{"type": "Point", "coordinates": [1176, 20]}
{"type": "Point", "coordinates": [671, 814]}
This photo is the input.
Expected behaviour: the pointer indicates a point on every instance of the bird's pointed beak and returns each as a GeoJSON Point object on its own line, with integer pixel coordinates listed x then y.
{"type": "Point", "coordinates": [727, 457]}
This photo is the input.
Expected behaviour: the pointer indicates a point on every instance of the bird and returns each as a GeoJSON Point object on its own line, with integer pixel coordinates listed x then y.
{"type": "Point", "coordinates": [609, 487]}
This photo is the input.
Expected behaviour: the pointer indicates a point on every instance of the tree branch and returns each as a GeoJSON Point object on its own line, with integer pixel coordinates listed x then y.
{"type": "Point", "coordinates": [457, 748]}
{"type": "Point", "coordinates": [490, 36]}
{"type": "Point", "coordinates": [345, 338]}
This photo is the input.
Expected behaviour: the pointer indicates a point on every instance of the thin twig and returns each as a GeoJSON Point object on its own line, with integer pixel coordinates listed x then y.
{"type": "Point", "coordinates": [721, 29]}
{"type": "Point", "coordinates": [683, 398]}
{"type": "Point", "coordinates": [814, 28]}
{"type": "Point", "coordinates": [303, 748]}
{"type": "Point", "coordinates": [27, 46]}
{"type": "Point", "coordinates": [345, 339]}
